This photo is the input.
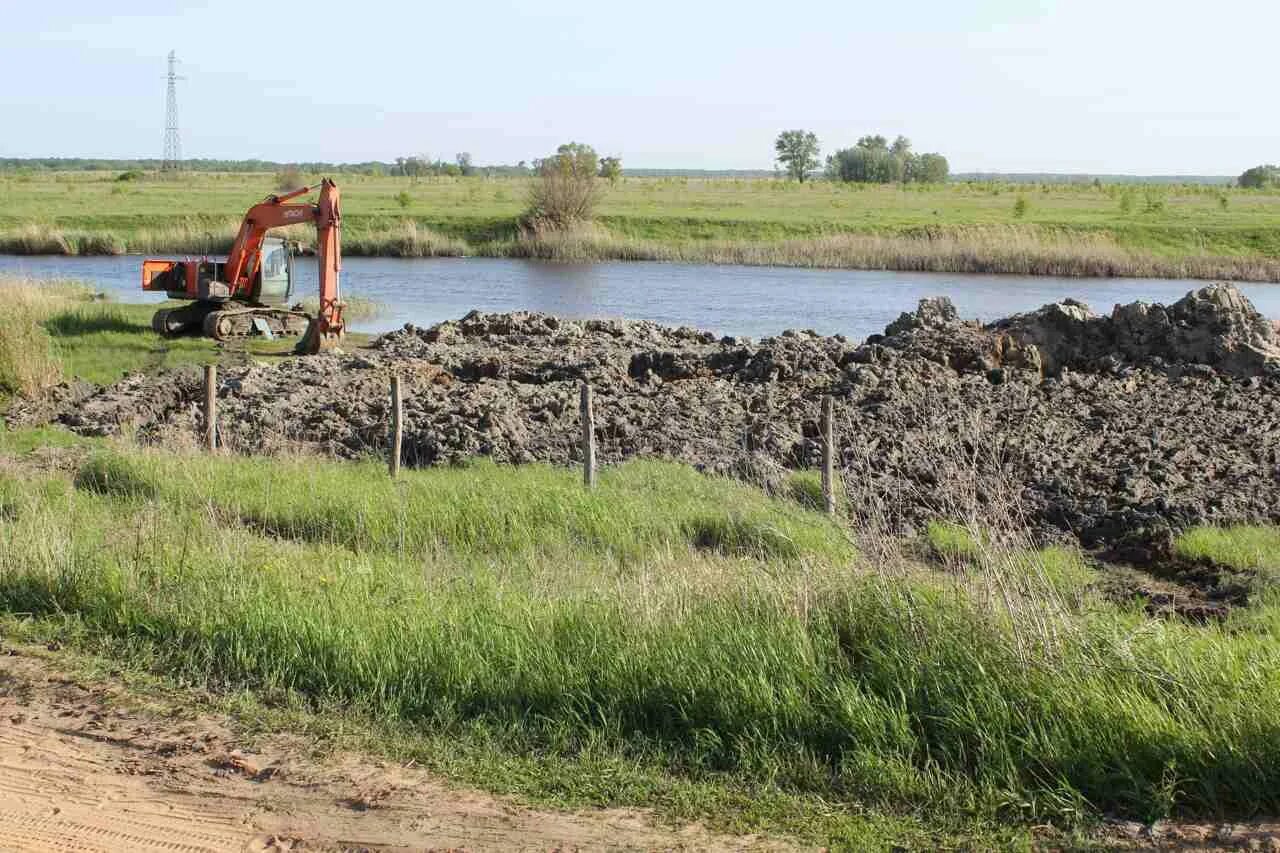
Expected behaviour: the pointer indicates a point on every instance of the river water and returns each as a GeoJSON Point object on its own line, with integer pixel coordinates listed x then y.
{"type": "Point", "coordinates": [732, 300]}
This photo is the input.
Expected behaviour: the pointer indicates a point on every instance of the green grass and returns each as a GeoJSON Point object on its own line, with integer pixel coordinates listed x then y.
{"type": "Point", "coordinates": [1072, 229]}
{"type": "Point", "coordinates": [1055, 570]}
{"type": "Point", "coordinates": [23, 442]}
{"type": "Point", "coordinates": [56, 330]}
{"type": "Point", "coordinates": [668, 640]}
{"type": "Point", "coordinates": [524, 512]}
{"type": "Point", "coordinates": [1242, 547]}
{"type": "Point", "coordinates": [950, 541]}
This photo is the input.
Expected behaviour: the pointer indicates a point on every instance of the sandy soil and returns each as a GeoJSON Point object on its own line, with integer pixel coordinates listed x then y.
{"type": "Point", "coordinates": [81, 770]}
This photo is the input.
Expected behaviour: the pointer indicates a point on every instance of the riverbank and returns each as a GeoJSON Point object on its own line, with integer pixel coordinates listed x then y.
{"type": "Point", "coordinates": [1067, 230]}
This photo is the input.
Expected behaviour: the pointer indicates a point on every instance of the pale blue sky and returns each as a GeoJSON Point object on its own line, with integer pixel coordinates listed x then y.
{"type": "Point", "coordinates": [1134, 86]}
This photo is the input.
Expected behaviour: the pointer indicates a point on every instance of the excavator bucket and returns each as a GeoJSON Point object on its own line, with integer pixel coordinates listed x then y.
{"type": "Point", "coordinates": [317, 340]}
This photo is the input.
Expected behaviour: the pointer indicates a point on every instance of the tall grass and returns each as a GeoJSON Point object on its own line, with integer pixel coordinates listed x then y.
{"type": "Point", "coordinates": [1026, 250]}
{"type": "Point", "coordinates": [356, 308]}
{"type": "Point", "coordinates": [1022, 249]}
{"type": "Point", "coordinates": [28, 360]}
{"type": "Point", "coordinates": [402, 239]}
{"type": "Point", "coordinates": [512, 606]}
{"type": "Point", "coordinates": [1243, 547]}
{"type": "Point", "coordinates": [39, 239]}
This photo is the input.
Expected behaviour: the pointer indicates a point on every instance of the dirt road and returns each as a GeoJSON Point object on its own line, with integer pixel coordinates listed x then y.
{"type": "Point", "coordinates": [81, 771]}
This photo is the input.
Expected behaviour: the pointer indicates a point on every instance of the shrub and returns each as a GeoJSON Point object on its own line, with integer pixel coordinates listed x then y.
{"type": "Point", "coordinates": [1020, 207]}
{"type": "Point", "coordinates": [289, 179]}
{"type": "Point", "coordinates": [131, 175]}
{"type": "Point", "coordinates": [567, 190]}
{"type": "Point", "coordinates": [404, 199]}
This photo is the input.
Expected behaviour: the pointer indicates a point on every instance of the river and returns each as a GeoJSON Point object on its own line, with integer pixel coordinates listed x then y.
{"type": "Point", "coordinates": [733, 300]}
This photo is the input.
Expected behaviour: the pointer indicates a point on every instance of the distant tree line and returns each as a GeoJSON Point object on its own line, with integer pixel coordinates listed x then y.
{"type": "Point", "coordinates": [87, 164]}
{"type": "Point", "coordinates": [1079, 178]}
{"type": "Point", "coordinates": [1260, 177]}
{"type": "Point", "coordinates": [872, 161]}
{"type": "Point", "coordinates": [416, 166]}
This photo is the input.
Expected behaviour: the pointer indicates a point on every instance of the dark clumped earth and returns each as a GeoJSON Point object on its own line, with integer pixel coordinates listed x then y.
{"type": "Point", "coordinates": [1116, 430]}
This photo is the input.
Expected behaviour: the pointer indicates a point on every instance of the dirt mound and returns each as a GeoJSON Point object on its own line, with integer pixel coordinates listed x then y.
{"type": "Point", "coordinates": [1215, 326]}
{"type": "Point", "coordinates": [1108, 428]}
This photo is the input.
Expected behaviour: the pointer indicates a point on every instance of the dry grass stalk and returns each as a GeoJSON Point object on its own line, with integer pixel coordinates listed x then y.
{"type": "Point", "coordinates": [28, 362]}
{"type": "Point", "coordinates": [956, 473]}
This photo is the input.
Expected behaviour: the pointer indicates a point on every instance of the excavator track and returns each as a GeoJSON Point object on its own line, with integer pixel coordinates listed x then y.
{"type": "Point", "coordinates": [171, 322]}
{"type": "Point", "coordinates": [229, 324]}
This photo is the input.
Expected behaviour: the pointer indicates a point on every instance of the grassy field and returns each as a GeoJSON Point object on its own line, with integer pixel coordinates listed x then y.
{"type": "Point", "coordinates": [1191, 231]}
{"type": "Point", "coordinates": [670, 640]}
{"type": "Point", "coordinates": [54, 331]}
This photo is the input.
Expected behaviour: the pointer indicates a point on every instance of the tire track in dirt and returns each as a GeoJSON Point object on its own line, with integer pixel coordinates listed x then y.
{"type": "Point", "coordinates": [83, 772]}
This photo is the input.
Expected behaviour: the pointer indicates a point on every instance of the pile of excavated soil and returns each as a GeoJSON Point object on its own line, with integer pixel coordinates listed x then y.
{"type": "Point", "coordinates": [1110, 428]}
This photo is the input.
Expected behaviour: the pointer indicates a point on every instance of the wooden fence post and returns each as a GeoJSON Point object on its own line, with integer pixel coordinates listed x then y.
{"type": "Point", "coordinates": [211, 407]}
{"type": "Point", "coordinates": [828, 455]}
{"type": "Point", "coordinates": [397, 425]}
{"type": "Point", "coordinates": [588, 436]}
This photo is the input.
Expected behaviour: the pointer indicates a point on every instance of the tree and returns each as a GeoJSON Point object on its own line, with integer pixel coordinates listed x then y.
{"type": "Point", "coordinates": [1260, 177]}
{"type": "Point", "coordinates": [798, 151]}
{"type": "Point", "coordinates": [464, 163]}
{"type": "Point", "coordinates": [930, 169]}
{"type": "Point", "coordinates": [873, 160]}
{"type": "Point", "coordinates": [567, 189]}
{"type": "Point", "coordinates": [611, 168]}
{"type": "Point", "coordinates": [411, 167]}
{"type": "Point", "coordinates": [865, 165]}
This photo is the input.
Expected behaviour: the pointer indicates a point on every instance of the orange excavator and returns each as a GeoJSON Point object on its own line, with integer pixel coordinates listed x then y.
{"type": "Point", "coordinates": [246, 293]}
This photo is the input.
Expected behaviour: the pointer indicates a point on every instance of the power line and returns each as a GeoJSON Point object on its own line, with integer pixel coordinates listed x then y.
{"type": "Point", "coordinates": [172, 138]}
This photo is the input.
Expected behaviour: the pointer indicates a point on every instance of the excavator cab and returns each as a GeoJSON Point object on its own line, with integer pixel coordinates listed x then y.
{"type": "Point", "coordinates": [274, 282]}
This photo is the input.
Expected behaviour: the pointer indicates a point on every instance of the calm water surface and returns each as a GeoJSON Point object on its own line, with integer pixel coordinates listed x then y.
{"type": "Point", "coordinates": [732, 300]}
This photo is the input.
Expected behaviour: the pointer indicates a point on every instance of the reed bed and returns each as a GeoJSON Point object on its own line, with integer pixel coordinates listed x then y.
{"type": "Point", "coordinates": [1014, 249]}
{"type": "Point", "coordinates": [402, 239]}
{"type": "Point", "coordinates": [978, 249]}
{"type": "Point", "coordinates": [28, 358]}
{"type": "Point", "coordinates": [356, 308]}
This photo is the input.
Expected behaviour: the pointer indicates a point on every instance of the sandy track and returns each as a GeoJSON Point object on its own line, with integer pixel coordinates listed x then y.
{"type": "Point", "coordinates": [80, 772]}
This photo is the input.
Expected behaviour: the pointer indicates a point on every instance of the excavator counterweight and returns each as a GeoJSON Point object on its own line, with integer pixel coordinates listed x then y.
{"type": "Point", "coordinates": [245, 294]}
